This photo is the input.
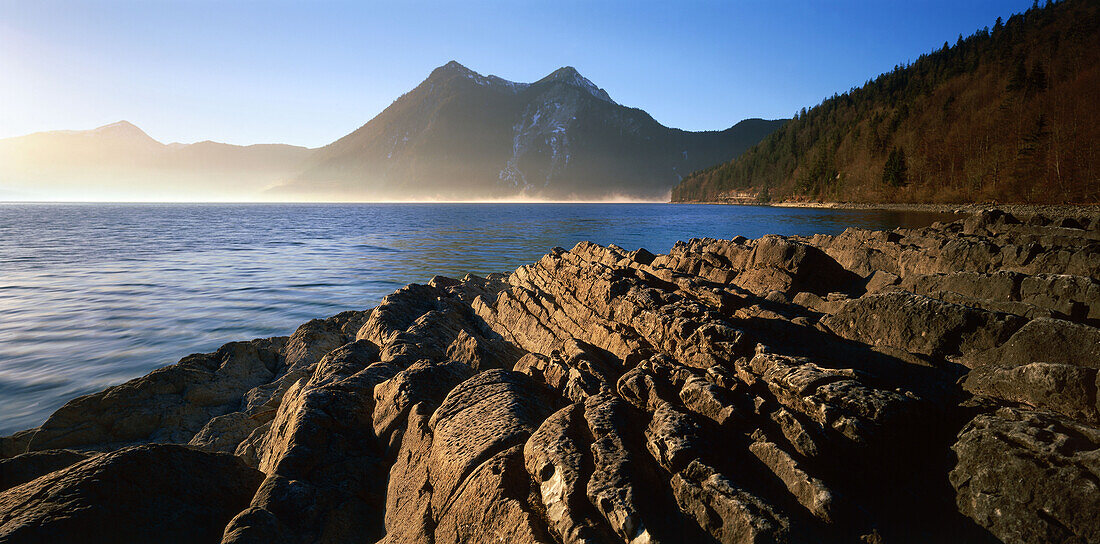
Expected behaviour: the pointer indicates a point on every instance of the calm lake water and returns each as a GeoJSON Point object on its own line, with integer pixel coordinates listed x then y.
{"type": "Point", "coordinates": [92, 295]}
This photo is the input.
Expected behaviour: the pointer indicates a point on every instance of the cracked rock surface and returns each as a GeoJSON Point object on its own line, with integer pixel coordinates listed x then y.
{"type": "Point", "coordinates": [931, 385]}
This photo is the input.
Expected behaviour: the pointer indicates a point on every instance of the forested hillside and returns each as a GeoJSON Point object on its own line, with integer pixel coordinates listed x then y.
{"type": "Point", "coordinates": [1009, 114]}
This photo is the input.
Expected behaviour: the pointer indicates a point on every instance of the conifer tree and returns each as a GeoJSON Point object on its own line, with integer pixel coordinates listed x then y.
{"type": "Point", "coordinates": [1007, 114]}
{"type": "Point", "coordinates": [1018, 80]}
{"type": "Point", "coordinates": [1037, 80]}
{"type": "Point", "coordinates": [895, 173]}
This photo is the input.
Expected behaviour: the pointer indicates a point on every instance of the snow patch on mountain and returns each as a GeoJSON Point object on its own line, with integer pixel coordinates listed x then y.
{"type": "Point", "coordinates": [454, 69]}
{"type": "Point", "coordinates": [543, 128]}
{"type": "Point", "coordinates": [501, 82]}
{"type": "Point", "coordinates": [566, 75]}
{"type": "Point", "coordinates": [570, 76]}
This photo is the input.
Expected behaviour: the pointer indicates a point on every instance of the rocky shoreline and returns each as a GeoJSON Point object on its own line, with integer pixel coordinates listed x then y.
{"type": "Point", "coordinates": [1023, 210]}
{"type": "Point", "coordinates": [917, 385]}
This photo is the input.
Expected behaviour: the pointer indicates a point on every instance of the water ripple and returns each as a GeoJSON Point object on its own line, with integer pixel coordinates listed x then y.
{"type": "Point", "coordinates": [95, 294]}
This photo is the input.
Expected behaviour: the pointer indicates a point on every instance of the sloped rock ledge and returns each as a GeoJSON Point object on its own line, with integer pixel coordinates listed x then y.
{"type": "Point", "coordinates": [932, 385]}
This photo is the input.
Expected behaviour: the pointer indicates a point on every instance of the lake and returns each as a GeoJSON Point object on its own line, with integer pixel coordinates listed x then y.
{"type": "Point", "coordinates": [92, 295]}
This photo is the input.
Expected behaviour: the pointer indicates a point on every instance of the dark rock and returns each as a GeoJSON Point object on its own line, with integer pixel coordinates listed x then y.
{"type": "Point", "coordinates": [1045, 340]}
{"type": "Point", "coordinates": [314, 339]}
{"type": "Point", "coordinates": [920, 324]}
{"type": "Point", "coordinates": [156, 493]}
{"type": "Point", "coordinates": [28, 466]}
{"type": "Point", "coordinates": [727, 512]}
{"type": "Point", "coordinates": [673, 438]}
{"type": "Point", "coordinates": [710, 401]}
{"type": "Point", "coordinates": [1075, 297]}
{"type": "Point", "coordinates": [171, 404]}
{"type": "Point", "coordinates": [811, 492]}
{"type": "Point", "coordinates": [323, 462]}
{"type": "Point", "coordinates": [422, 382]}
{"type": "Point", "coordinates": [810, 268]}
{"type": "Point", "coordinates": [1029, 477]}
{"type": "Point", "coordinates": [1067, 389]}
{"type": "Point", "coordinates": [225, 433]}
{"type": "Point", "coordinates": [1000, 286]}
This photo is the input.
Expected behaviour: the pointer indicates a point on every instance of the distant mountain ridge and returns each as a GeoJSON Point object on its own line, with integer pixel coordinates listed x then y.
{"type": "Point", "coordinates": [119, 161]}
{"type": "Point", "coordinates": [462, 135]}
{"type": "Point", "coordinates": [1008, 114]}
{"type": "Point", "coordinates": [458, 135]}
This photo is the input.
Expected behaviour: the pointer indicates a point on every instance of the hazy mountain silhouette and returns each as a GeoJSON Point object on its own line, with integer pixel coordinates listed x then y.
{"type": "Point", "coordinates": [461, 135]}
{"type": "Point", "coordinates": [458, 135]}
{"type": "Point", "coordinates": [120, 161]}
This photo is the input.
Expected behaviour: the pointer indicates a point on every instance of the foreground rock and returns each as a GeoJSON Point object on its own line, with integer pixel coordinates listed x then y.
{"type": "Point", "coordinates": [933, 384]}
{"type": "Point", "coordinates": [1030, 476]}
{"type": "Point", "coordinates": [155, 493]}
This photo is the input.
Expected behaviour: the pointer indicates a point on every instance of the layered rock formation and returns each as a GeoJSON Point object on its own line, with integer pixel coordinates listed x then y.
{"type": "Point", "coordinates": [934, 385]}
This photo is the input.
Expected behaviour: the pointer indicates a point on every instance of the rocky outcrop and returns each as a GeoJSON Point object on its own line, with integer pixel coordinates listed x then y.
{"type": "Point", "coordinates": [1029, 476]}
{"type": "Point", "coordinates": [152, 493]}
{"type": "Point", "coordinates": [934, 384]}
{"type": "Point", "coordinates": [27, 466]}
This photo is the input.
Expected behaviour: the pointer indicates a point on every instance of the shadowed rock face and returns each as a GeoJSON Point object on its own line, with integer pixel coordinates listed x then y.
{"type": "Point", "coordinates": [151, 493]}
{"type": "Point", "coordinates": [935, 384]}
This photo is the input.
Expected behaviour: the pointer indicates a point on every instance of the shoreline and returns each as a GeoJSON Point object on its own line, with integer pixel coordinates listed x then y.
{"type": "Point", "coordinates": [723, 373]}
{"type": "Point", "coordinates": [960, 209]}
{"type": "Point", "coordinates": [970, 208]}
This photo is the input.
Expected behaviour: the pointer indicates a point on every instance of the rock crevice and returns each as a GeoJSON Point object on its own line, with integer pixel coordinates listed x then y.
{"type": "Point", "coordinates": [935, 384]}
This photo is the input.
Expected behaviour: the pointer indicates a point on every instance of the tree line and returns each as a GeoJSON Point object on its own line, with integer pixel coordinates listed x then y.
{"type": "Point", "coordinates": [1008, 114]}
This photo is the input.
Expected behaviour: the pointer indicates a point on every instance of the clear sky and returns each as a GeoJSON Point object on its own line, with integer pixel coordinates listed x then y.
{"type": "Point", "coordinates": [308, 72]}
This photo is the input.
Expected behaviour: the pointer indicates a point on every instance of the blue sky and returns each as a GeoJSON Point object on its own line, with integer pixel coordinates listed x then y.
{"type": "Point", "coordinates": [308, 72]}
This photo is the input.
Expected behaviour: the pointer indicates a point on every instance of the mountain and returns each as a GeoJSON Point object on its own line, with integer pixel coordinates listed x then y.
{"type": "Point", "coordinates": [120, 161]}
{"type": "Point", "coordinates": [462, 135]}
{"type": "Point", "coordinates": [1008, 114]}
{"type": "Point", "coordinates": [456, 136]}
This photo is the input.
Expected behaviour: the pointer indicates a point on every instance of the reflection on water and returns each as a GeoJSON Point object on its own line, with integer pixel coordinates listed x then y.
{"type": "Point", "coordinates": [95, 294]}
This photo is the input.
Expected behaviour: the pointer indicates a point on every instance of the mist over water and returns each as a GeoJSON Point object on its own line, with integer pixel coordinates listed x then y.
{"type": "Point", "coordinates": [92, 295]}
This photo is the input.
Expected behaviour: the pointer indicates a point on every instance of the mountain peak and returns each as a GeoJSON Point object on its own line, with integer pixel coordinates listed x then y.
{"type": "Point", "coordinates": [565, 72]}
{"type": "Point", "coordinates": [120, 128]}
{"type": "Point", "coordinates": [123, 130]}
{"type": "Point", "coordinates": [452, 68]}
{"type": "Point", "coordinates": [566, 75]}
{"type": "Point", "coordinates": [462, 135]}
{"type": "Point", "coordinates": [454, 64]}
{"type": "Point", "coordinates": [454, 71]}
{"type": "Point", "coordinates": [570, 76]}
